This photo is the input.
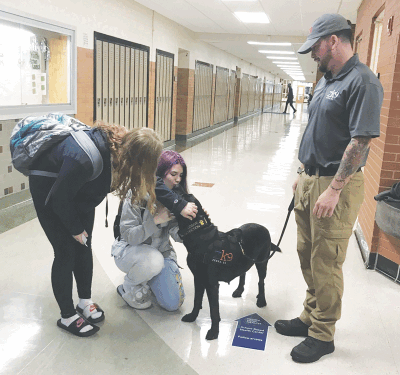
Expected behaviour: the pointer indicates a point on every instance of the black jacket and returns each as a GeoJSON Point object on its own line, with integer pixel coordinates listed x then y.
{"type": "Point", "coordinates": [290, 94]}
{"type": "Point", "coordinates": [72, 191]}
{"type": "Point", "coordinates": [169, 198]}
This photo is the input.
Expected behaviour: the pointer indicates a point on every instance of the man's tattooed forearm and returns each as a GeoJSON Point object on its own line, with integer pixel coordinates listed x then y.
{"type": "Point", "coordinates": [352, 158]}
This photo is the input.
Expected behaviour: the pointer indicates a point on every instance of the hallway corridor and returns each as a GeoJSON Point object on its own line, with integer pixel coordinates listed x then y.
{"type": "Point", "coordinates": [251, 168]}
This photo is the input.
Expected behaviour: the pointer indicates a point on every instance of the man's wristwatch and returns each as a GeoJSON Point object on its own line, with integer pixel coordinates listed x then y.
{"type": "Point", "coordinates": [300, 170]}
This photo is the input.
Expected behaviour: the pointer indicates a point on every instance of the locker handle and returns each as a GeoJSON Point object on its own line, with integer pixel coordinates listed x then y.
{"type": "Point", "coordinates": [122, 101]}
{"type": "Point", "coordinates": [116, 100]}
{"type": "Point", "coordinates": [111, 101]}
{"type": "Point", "coordinates": [105, 102]}
{"type": "Point", "coordinates": [132, 100]}
{"type": "Point", "coordinates": [98, 102]}
{"type": "Point", "coordinates": [127, 100]}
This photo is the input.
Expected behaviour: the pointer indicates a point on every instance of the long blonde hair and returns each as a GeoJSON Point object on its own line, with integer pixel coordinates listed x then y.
{"type": "Point", "coordinates": [138, 155]}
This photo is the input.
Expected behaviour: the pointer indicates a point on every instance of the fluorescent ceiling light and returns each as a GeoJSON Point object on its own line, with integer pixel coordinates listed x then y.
{"type": "Point", "coordinates": [281, 58]}
{"type": "Point", "coordinates": [270, 44]}
{"type": "Point", "coordinates": [252, 17]}
{"type": "Point", "coordinates": [226, 1]}
{"type": "Point", "coordinates": [286, 62]}
{"type": "Point", "coordinates": [281, 52]}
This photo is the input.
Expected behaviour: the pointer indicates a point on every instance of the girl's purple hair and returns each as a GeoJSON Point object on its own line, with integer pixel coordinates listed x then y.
{"type": "Point", "coordinates": [167, 160]}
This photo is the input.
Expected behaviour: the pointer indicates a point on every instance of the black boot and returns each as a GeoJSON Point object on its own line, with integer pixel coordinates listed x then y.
{"type": "Point", "coordinates": [311, 350]}
{"type": "Point", "coordinates": [294, 327]}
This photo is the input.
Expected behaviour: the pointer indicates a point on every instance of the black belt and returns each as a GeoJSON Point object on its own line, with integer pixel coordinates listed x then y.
{"type": "Point", "coordinates": [322, 171]}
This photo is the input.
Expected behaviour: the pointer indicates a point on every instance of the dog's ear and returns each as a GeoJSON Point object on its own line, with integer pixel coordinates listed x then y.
{"type": "Point", "coordinates": [236, 233]}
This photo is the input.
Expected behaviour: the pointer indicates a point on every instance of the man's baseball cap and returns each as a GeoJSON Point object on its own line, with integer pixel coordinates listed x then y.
{"type": "Point", "coordinates": [325, 25]}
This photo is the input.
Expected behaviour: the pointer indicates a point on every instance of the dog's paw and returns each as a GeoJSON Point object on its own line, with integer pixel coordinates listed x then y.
{"type": "Point", "coordinates": [261, 302]}
{"type": "Point", "coordinates": [189, 318]}
{"type": "Point", "coordinates": [237, 293]}
{"type": "Point", "coordinates": [212, 334]}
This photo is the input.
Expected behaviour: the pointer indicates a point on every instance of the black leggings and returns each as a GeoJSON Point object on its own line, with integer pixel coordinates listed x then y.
{"type": "Point", "coordinates": [70, 257]}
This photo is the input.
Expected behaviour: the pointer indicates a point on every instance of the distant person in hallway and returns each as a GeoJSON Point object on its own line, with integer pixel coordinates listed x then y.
{"type": "Point", "coordinates": [289, 99]}
{"type": "Point", "coordinates": [130, 159]}
{"type": "Point", "coordinates": [310, 96]}
{"type": "Point", "coordinates": [144, 251]}
{"type": "Point", "coordinates": [343, 117]}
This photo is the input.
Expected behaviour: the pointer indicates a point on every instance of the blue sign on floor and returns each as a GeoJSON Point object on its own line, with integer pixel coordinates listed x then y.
{"type": "Point", "coordinates": [251, 332]}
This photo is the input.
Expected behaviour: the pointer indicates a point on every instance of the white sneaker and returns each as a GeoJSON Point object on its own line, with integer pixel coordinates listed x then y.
{"type": "Point", "coordinates": [137, 297]}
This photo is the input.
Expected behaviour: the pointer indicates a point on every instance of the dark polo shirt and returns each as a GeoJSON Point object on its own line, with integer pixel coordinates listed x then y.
{"type": "Point", "coordinates": [343, 107]}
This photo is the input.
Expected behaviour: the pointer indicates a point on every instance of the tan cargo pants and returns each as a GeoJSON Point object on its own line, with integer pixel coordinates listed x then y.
{"type": "Point", "coordinates": [321, 246]}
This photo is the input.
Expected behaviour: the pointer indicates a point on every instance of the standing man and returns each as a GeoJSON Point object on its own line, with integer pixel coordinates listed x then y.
{"type": "Point", "coordinates": [289, 99]}
{"type": "Point", "coordinates": [343, 117]}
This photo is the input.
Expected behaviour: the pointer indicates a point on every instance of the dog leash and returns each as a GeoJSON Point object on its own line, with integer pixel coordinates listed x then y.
{"type": "Point", "coordinates": [290, 209]}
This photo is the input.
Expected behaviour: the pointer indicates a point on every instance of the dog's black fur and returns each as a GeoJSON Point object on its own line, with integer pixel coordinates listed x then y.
{"type": "Point", "coordinates": [255, 248]}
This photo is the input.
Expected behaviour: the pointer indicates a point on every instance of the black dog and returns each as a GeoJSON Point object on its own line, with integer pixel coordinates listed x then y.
{"type": "Point", "coordinates": [216, 256]}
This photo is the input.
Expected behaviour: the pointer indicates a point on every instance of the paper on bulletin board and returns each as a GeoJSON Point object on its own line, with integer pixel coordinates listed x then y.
{"type": "Point", "coordinates": [42, 84]}
{"type": "Point", "coordinates": [37, 83]}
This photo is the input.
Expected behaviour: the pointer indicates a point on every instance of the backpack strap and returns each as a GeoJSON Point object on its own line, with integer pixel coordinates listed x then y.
{"type": "Point", "coordinates": [91, 150]}
{"type": "Point", "coordinates": [43, 173]}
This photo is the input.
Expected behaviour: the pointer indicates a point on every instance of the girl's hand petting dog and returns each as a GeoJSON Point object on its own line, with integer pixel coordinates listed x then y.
{"type": "Point", "coordinates": [162, 215]}
{"type": "Point", "coordinates": [190, 211]}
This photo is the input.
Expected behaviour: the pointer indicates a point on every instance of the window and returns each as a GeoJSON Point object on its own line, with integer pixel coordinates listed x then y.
{"type": "Point", "coordinates": [37, 66]}
{"type": "Point", "coordinates": [376, 41]}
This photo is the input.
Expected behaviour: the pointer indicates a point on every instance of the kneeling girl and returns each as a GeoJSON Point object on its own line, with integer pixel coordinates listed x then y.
{"type": "Point", "coordinates": [144, 251]}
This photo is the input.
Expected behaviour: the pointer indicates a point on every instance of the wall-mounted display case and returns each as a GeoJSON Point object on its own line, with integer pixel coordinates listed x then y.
{"type": "Point", "coordinates": [37, 66]}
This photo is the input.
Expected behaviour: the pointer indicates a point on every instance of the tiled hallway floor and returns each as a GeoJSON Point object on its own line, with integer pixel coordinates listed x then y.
{"type": "Point", "coordinates": [252, 167]}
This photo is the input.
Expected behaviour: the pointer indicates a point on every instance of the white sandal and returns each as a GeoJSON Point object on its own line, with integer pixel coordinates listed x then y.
{"type": "Point", "coordinates": [89, 310]}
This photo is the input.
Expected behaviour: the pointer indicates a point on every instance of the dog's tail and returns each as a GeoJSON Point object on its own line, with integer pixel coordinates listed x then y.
{"type": "Point", "coordinates": [274, 249]}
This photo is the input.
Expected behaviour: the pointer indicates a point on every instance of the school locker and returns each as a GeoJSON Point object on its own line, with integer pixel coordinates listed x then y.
{"type": "Point", "coordinates": [116, 83]}
{"type": "Point", "coordinates": [163, 104]}
{"type": "Point", "coordinates": [111, 68]}
{"type": "Point", "coordinates": [121, 82]}
{"type": "Point", "coordinates": [127, 91]}
{"type": "Point", "coordinates": [105, 82]}
{"type": "Point", "coordinates": [99, 73]}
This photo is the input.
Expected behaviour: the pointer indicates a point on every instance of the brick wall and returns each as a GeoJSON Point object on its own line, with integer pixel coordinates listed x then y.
{"type": "Point", "coordinates": [184, 105]}
{"type": "Point", "coordinates": [383, 167]}
{"type": "Point", "coordinates": [85, 86]}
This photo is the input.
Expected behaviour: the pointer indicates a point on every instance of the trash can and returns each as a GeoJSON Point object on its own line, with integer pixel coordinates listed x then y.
{"type": "Point", "coordinates": [387, 218]}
